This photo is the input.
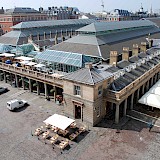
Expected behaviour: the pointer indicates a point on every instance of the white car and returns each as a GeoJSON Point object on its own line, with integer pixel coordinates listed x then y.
{"type": "Point", "coordinates": [13, 104]}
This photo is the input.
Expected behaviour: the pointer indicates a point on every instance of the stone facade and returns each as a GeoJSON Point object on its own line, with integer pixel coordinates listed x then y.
{"type": "Point", "coordinates": [91, 100]}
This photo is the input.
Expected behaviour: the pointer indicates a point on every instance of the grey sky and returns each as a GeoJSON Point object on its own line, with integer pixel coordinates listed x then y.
{"type": "Point", "coordinates": [84, 5]}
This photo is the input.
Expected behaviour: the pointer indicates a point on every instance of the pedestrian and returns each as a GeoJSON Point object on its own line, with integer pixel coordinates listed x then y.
{"type": "Point", "coordinates": [150, 125]}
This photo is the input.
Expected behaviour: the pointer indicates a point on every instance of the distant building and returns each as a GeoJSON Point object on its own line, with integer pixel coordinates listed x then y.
{"type": "Point", "coordinates": [120, 15]}
{"type": "Point", "coordinates": [55, 13]}
{"type": "Point", "coordinates": [43, 33]}
{"type": "Point", "coordinates": [11, 17]}
{"type": "Point", "coordinates": [141, 13]}
{"type": "Point", "coordinates": [88, 16]}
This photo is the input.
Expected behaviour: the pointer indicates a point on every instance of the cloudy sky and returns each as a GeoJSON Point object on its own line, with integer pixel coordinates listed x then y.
{"type": "Point", "coordinates": [85, 5]}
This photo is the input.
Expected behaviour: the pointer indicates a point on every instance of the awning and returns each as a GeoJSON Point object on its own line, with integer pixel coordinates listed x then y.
{"type": "Point", "coordinates": [152, 97]}
{"type": "Point", "coordinates": [7, 55]}
{"type": "Point", "coordinates": [39, 65]}
{"type": "Point", "coordinates": [31, 64]}
{"type": "Point", "coordinates": [59, 121]}
{"type": "Point", "coordinates": [24, 58]}
{"type": "Point", "coordinates": [24, 62]}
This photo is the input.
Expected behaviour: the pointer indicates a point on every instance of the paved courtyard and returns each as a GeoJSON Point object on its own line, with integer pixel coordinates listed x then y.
{"type": "Point", "coordinates": [132, 140]}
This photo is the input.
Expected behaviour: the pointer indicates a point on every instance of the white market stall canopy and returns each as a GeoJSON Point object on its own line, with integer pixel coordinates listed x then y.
{"type": "Point", "coordinates": [24, 62]}
{"type": "Point", "coordinates": [7, 55]}
{"type": "Point", "coordinates": [59, 121]}
{"type": "Point", "coordinates": [24, 58]}
{"type": "Point", "coordinates": [152, 97]}
{"type": "Point", "coordinates": [40, 65]}
{"type": "Point", "coordinates": [31, 64]}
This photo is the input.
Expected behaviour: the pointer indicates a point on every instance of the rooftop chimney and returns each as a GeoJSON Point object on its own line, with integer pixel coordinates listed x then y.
{"type": "Point", "coordinates": [88, 65]}
{"type": "Point", "coordinates": [135, 50]}
{"type": "Point", "coordinates": [143, 46]}
{"type": "Point", "coordinates": [150, 43]}
{"type": "Point", "coordinates": [113, 58]}
{"type": "Point", "coordinates": [125, 54]}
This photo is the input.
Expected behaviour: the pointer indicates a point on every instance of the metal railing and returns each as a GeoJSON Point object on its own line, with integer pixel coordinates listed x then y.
{"type": "Point", "coordinates": [32, 74]}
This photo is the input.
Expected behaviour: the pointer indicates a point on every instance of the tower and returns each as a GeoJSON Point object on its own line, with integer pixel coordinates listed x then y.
{"type": "Point", "coordinates": [102, 5]}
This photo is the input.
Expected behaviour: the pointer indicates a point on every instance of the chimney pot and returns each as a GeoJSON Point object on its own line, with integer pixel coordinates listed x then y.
{"type": "Point", "coordinates": [113, 57]}
{"type": "Point", "coordinates": [125, 55]}
{"type": "Point", "coordinates": [88, 65]}
{"type": "Point", "coordinates": [135, 50]}
{"type": "Point", "coordinates": [143, 46]}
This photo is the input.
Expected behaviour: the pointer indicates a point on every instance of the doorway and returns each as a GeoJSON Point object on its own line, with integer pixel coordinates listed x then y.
{"type": "Point", "coordinates": [77, 112]}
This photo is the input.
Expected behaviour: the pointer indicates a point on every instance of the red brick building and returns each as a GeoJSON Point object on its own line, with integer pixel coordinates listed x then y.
{"type": "Point", "coordinates": [11, 17]}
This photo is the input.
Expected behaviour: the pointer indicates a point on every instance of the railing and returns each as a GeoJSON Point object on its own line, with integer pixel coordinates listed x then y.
{"type": "Point", "coordinates": [133, 86]}
{"type": "Point", "coordinates": [32, 74]}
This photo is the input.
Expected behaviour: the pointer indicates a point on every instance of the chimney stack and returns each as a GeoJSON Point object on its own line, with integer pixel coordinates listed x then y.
{"type": "Point", "coordinates": [150, 43]}
{"type": "Point", "coordinates": [143, 46]}
{"type": "Point", "coordinates": [135, 50]}
{"type": "Point", "coordinates": [88, 65]}
{"type": "Point", "coordinates": [125, 54]}
{"type": "Point", "coordinates": [113, 58]}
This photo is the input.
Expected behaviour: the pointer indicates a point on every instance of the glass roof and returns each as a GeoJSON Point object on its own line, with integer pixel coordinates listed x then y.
{"type": "Point", "coordinates": [68, 58]}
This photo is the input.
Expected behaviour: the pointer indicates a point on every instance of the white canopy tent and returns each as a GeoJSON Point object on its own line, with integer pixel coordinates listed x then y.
{"type": "Point", "coordinates": [59, 121]}
{"type": "Point", "coordinates": [24, 58]}
{"type": "Point", "coordinates": [31, 64]}
{"type": "Point", "coordinates": [39, 65]}
{"type": "Point", "coordinates": [7, 55]}
{"type": "Point", "coordinates": [152, 97]}
{"type": "Point", "coordinates": [24, 62]}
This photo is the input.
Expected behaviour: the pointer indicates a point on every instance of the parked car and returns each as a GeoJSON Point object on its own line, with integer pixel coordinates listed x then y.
{"type": "Point", "coordinates": [13, 104]}
{"type": "Point", "coordinates": [3, 89]}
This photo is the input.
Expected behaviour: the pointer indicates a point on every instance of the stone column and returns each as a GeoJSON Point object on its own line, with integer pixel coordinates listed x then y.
{"type": "Point", "coordinates": [44, 36]}
{"type": "Point", "coordinates": [46, 90]}
{"type": "Point", "coordinates": [50, 34]}
{"type": "Point", "coordinates": [16, 81]}
{"type": "Point", "coordinates": [143, 89]}
{"type": "Point", "coordinates": [23, 85]}
{"type": "Point", "coordinates": [30, 85]}
{"type": "Point", "coordinates": [10, 77]}
{"type": "Point", "coordinates": [147, 85]}
{"type": "Point", "coordinates": [55, 93]}
{"type": "Point", "coordinates": [125, 107]}
{"type": "Point", "coordinates": [5, 79]}
{"type": "Point", "coordinates": [117, 114]}
{"type": "Point", "coordinates": [138, 94]}
{"type": "Point", "coordinates": [38, 89]}
{"type": "Point", "coordinates": [1, 76]}
{"type": "Point", "coordinates": [156, 77]}
{"type": "Point", "coordinates": [152, 81]}
{"type": "Point", "coordinates": [132, 98]}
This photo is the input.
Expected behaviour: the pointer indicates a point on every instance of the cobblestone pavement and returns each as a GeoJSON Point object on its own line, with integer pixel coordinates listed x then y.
{"type": "Point", "coordinates": [132, 142]}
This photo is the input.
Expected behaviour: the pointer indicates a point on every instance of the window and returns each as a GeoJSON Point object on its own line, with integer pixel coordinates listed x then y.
{"type": "Point", "coordinates": [100, 90]}
{"type": "Point", "coordinates": [97, 110]}
{"type": "Point", "coordinates": [77, 90]}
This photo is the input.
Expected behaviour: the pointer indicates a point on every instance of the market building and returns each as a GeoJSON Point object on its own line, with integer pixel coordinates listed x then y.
{"type": "Point", "coordinates": [43, 33]}
{"type": "Point", "coordinates": [118, 63]}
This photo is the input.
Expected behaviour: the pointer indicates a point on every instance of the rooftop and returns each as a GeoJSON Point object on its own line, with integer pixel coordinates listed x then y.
{"type": "Point", "coordinates": [90, 76]}
{"type": "Point", "coordinates": [67, 58]}
{"type": "Point", "coordinates": [18, 10]}
{"type": "Point", "coordinates": [52, 23]}
{"type": "Point", "coordinates": [109, 26]}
